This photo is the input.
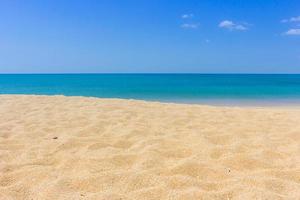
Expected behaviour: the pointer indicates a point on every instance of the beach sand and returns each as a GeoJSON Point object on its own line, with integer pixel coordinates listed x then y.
{"type": "Point", "coordinates": [56, 147]}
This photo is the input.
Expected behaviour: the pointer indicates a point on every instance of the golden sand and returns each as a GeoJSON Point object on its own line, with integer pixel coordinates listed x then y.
{"type": "Point", "coordinates": [87, 148]}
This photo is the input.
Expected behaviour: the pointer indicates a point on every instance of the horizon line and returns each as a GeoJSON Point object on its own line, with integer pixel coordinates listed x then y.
{"type": "Point", "coordinates": [147, 73]}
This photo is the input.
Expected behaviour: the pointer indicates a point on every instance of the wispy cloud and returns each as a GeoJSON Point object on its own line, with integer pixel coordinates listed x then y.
{"type": "Point", "coordinates": [190, 26]}
{"type": "Point", "coordinates": [293, 32]}
{"type": "Point", "coordinates": [230, 25]}
{"type": "Point", "coordinates": [188, 23]}
{"type": "Point", "coordinates": [295, 19]}
{"type": "Point", "coordinates": [296, 22]}
{"type": "Point", "coordinates": [187, 16]}
{"type": "Point", "coordinates": [292, 19]}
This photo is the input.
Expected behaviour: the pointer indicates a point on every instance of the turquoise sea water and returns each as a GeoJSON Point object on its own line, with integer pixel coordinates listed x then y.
{"type": "Point", "coordinates": [160, 87]}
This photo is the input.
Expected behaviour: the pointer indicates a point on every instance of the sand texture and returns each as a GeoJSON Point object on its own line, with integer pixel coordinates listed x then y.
{"type": "Point", "coordinates": [87, 148]}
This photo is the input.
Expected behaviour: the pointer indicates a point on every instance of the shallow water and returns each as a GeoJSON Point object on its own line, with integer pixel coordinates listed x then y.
{"type": "Point", "coordinates": [183, 88]}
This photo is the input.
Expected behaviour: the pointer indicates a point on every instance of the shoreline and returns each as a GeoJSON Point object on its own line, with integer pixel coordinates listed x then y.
{"type": "Point", "coordinates": [231, 103]}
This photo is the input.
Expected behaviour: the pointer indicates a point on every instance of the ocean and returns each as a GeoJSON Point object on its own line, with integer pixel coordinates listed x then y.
{"type": "Point", "coordinates": [182, 88]}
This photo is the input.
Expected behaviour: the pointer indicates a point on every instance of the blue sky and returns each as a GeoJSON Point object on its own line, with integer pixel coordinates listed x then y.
{"type": "Point", "coordinates": [192, 36]}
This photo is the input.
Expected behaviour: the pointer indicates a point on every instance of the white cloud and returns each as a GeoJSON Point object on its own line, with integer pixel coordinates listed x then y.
{"type": "Point", "coordinates": [241, 27]}
{"type": "Point", "coordinates": [295, 19]}
{"type": "Point", "coordinates": [292, 19]}
{"type": "Point", "coordinates": [293, 32]}
{"type": "Point", "coordinates": [226, 23]}
{"type": "Point", "coordinates": [187, 16]}
{"type": "Point", "coordinates": [190, 26]}
{"type": "Point", "coordinates": [232, 26]}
